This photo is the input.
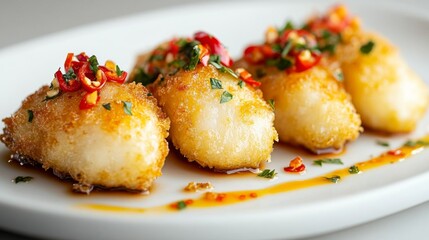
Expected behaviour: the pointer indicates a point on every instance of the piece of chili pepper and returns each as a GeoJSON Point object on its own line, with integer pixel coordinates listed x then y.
{"type": "Point", "coordinates": [214, 46]}
{"type": "Point", "coordinates": [89, 100]}
{"type": "Point", "coordinates": [90, 82]}
{"type": "Point", "coordinates": [67, 86]}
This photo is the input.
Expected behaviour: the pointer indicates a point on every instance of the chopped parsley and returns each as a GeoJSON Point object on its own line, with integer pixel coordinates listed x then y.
{"type": "Point", "coordinates": [271, 103]}
{"type": "Point", "coordinates": [367, 47]}
{"type": "Point", "coordinates": [320, 162]}
{"type": "Point", "coordinates": [93, 64]}
{"type": "Point", "coordinates": [20, 179]}
{"type": "Point", "coordinates": [410, 143]}
{"type": "Point", "coordinates": [69, 75]}
{"type": "Point", "coordinates": [339, 75]}
{"type": "Point", "coordinates": [333, 179]}
{"type": "Point", "coordinates": [149, 94]}
{"type": "Point", "coordinates": [240, 83]}
{"type": "Point", "coordinates": [145, 78]}
{"type": "Point", "coordinates": [215, 83]}
{"type": "Point", "coordinates": [30, 115]}
{"type": "Point", "coordinates": [181, 205]}
{"type": "Point", "coordinates": [215, 61]}
{"type": "Point", "coordinates": [156, 57]}
{"type": "Point", "coordinates": [107, 106]}
{"type": "Point", "coordinates": [118, 71]}
{"type": "Point", "coordinates": [354, 170]}
{"type": "Point", "coordinates": [267, 173]}
{"type": "Point", "coordinates": [382, 143]}
{"type": "Point", "coordinates": [127, 108]}
{"type": "Point", "coordinates": [226, 97]}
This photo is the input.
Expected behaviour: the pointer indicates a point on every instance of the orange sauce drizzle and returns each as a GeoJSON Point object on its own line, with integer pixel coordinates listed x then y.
{"type": "Point", "coordinates": [212, 199]}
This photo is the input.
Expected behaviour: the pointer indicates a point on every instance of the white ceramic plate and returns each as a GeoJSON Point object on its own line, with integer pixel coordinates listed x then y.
{"type": "Point", "coordinates": [46, 208]}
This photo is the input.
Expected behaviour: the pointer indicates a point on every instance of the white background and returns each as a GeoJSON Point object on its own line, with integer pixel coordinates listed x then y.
{"type": "Point", "coordinates": [23, 20]}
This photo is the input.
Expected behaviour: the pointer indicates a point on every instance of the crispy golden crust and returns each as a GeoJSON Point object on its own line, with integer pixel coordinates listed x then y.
{"type": "Point", "coordinates": [387, 94]}
{"type": "Point", "coordinates": [224, 136]}
{"type": "Point", "coordinates": [95, 146]}
{"type": "Point", "coordinates": [312, 108]}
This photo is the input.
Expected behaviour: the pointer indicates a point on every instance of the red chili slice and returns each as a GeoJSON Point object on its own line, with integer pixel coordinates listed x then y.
{"type": "Point", "coordinates": [304, 64]}
{"type": "Point", "coordinates": [295, 170]}
{"type": "Point", "coordinates": [82, 57]}
{"type": "Point", "coordinates": [112, 76]}
{"type": "Point", "coordinates": [68, 62]}
{"type": "Point", "coordinates": [69, 86]}
{"type": "Point", "coordinates": [88, 79]}
{"type": "Point", "coordinates": [215, 47]}
{"type": "Point", "coordinates": [89, 100]}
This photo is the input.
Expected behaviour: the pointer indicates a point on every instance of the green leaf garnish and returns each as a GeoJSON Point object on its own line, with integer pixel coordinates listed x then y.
{"type": "Point", "coordinates": [271, 103]}
{"type": "Point", "coordinates": [367, 47]}
{"type": "Point", "coordinates": [410, 143]}
{"type": "Point", "coordinates": [118, 71]}
{"type": "Point", "coordinates": [354, 170]}
{"type": "Point", "coordinates": [69, 75]}
{"type": "Point", "coordinates": [145, 79]}
{"type": "Point", "coordinates": [127, 107]}
{"type": "Point", "coordinates": [30, 115]}
{"type": "Point", "coordinates": [267, 173]}
{"type": "Point", "coordinates": [181, 205]}
{"type": "Point", "coordinates": [320, 162]}
{"type": "Point", "coordinates": [334, 179]}
{"type": "Point", "coordinates": [382, 143]}
{"type": "Point", "coordinates": [240, 83]}
{"type": "Point", "coordinates": [287, 48]}
{"type": "Point", "coordinates": [107, 106]}
{"type": "Point", "coordinates": [93, 64]}
{"type": "Point", "coordinates": [22, 179]}
{"type": "Point", "coordinates": [215, 83]}
{"type": "Point", "coordinates": [226, 97]}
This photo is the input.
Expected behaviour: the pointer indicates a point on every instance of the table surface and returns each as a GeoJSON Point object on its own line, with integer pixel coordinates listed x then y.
{"type": "Point", "coordinates": [22, 20]}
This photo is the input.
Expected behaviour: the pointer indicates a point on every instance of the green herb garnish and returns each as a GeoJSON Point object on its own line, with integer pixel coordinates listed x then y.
{"type": "Point", "coordinates": [287, 48]}
{"type": "Point", "coordinates": [30, 115]}
{"type": "Point", "coordinates": [144, 78]}
{"type": "Point", "coordinates": [149, 94]}
{"type": "Point", "coordinates": [367, 47]}
{"type": "Point", "coordinates": [93, 64]}
{"type": "Point", "coordinates": [267, 173]}
{"type": "Point", "coordinates": [354, 170]}
{"type": "Point", "coordinates": [107, 106]}
{"type": "Point", "coordinates": [334, 179]}
{"type": "Point", "coordinates": [271, 103]}
{"type": "Point", "coordinates": [69, 75]}
{"type": "Point", "coordinates": [181, 205]}
{"type": "Point", "coordinates": [240, 83]}
{"type": "Point", "coordinates": [410, 143]}
{"type": "Point", "coordinates": [215, 83]}
{"type": "Point", "coordinates": [382, 143]}
{"type": "Point", "coordinates": [320, 162]}
{"type": "Point", "coordinates": [226, 97]}
{"type": "Point", "coordinates": [22, 179]}
{"type": "Point", "coordinates": [156, 57]}
{"type": "Point", "coordinates": [127, 107]}
{"type": "Point", "coordinates": [118, 71]}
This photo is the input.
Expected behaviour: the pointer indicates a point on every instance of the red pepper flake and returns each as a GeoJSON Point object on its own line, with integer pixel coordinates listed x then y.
{"type": "Point", "coordinates": [295, 165]}
{"type": "Point", "coordinates": [242, 197]}
{"type": "Point", "coordinates": [247, 77]}
{"type": "Point", "coordinates": [253, 195]}
{"type": "Point", "coordinates": [395, 152]}
{"type": "Point", "coordinates": [189, 201]}
{"type": "Point", "coordinates": [220, 197]}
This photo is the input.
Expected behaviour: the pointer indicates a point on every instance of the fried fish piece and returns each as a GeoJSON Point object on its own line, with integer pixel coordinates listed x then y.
{"type": "Point", "coordinates": [101, 146]}
{"type": "Point", "coordinates": [217, 120]}
{"type": "Point", "coordinates": [312, 109]}
{"type": "Point", "coordinates": [386, 92]}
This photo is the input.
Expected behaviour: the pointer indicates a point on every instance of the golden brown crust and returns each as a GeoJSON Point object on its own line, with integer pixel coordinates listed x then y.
{"type": "Point", "coordinates": [231, 135]}
{"type": "Point", "coordinates": [60, 135]}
